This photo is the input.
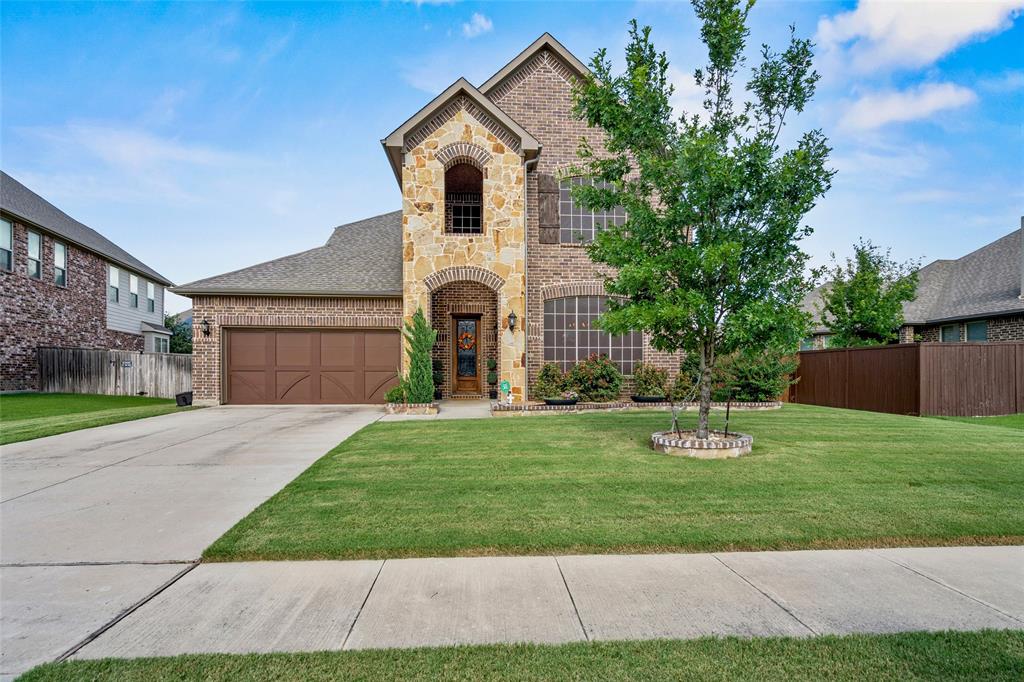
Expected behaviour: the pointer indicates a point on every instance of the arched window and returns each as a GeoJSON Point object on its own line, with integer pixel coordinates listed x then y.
{"type": "Point", "coordinates": [578, 224]}
{"type": "Point", "coordinates": [570, 334]}
{"type": "Point", "coordinates": [463, 199]}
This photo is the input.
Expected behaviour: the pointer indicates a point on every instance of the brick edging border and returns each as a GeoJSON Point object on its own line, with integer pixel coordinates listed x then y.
{"type": "Point", "coordinates": [541, 408]}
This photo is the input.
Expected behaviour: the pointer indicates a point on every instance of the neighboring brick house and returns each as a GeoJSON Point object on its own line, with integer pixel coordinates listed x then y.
{"type": "Point", "coordinates": [63, 284]}
{"type": "Point", "coordinates": [488, 242]}
{"type": "Point", "coordinates": [979, 298]}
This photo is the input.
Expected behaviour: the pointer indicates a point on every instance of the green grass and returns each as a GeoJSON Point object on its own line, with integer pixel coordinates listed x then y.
{"type": "Point", "coordinates": [24, 416]}
{"type": "Point", "coordinates": [1009, 421]}
{"type": "Point", "coordinates": [817, 478]}
{"type": "Point", "coordinates": [987, 655]}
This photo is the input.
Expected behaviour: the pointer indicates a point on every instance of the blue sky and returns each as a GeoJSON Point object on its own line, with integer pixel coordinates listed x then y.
{"type": "Point", "coordinates": [208, 137]}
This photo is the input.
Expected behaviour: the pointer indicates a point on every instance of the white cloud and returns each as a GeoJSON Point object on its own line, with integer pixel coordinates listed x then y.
{"type": "Point", "coordinates": [882, 34]}
{"type": "Point", "coordinates": [477, 25]}
{"type": "Point", "coordinates": [1009, 81]}
{"type": "Point", "coordinates": [688, 97]}
{"type": "Point", "coordinates": [877, 109]}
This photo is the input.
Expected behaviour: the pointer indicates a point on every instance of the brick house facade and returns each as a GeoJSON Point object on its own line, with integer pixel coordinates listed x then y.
{"type": "Point", "coordinates": [477, 238]}
{"type": "Point", "coordinates": [43, 312]}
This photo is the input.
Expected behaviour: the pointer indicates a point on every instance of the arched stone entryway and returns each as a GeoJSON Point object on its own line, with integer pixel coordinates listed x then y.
{"type": "Point", "coordinates": [466, 307]}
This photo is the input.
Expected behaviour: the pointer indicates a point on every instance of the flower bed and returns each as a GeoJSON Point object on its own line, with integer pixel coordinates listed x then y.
{"type": "Point", "coordinates": [411, 408]}
{"type": "Point", "coordinates": [501, 409]}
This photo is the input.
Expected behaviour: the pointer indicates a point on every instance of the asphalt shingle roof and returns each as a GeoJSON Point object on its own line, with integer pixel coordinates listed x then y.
{"type": "Point", "coordinates": [984, 282]}
{"type": "Point", "coordinates": [20, 201]}
{"type": "Point", "coordinates": [362, 258]}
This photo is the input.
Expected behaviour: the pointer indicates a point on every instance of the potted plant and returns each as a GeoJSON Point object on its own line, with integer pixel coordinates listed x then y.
{"type": "Point", "coordinates": [492, 378]}
{"type": "Point", "coordinates": [438, 373]}
{"type": "Point", "coordinates": [649, 383]}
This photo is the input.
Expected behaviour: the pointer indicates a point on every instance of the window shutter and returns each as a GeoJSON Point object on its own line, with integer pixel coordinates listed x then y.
{"type": "Point", "coordinates": [547, 188]}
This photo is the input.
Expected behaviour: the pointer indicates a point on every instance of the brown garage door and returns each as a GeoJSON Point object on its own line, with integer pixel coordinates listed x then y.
{"type": "Point", "coordinates": [310, 366]}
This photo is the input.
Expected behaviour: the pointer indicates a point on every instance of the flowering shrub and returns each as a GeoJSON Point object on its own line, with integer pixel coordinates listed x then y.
{"type": "Point", "coordinates": [596, 379]}
{"type": "Point", "coordinates": [650, 381]}
{"type": "Point", "coordinates": [551, 382]}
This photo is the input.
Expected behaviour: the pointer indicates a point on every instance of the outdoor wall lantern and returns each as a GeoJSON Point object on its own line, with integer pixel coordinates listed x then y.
{"type": "Point", "coordinates": [512, 321]}
{"type": "Point", "coordinates": [205, 326]}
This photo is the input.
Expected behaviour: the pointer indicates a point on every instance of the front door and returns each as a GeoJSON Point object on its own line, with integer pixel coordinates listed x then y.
{"type": "Point", "coordinates": [466, 361]}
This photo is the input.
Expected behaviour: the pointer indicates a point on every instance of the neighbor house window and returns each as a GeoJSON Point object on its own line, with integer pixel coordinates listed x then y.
{"type": "Point", "coordinates": [977, 331]}
{"type": "Point", "coordinates": [35, 255]}
{"type": "Point", "coordinates": [6, 244]}
{"type": "Point", "coordinates": [161, 344]}
{"type": "Point", "coordinates": [133, 291]}
{"type": "Point", "coordinates": [579, 225]}
{"type": "Point", "coordinates": [150, 297]}
{"type": "Point", "coordinates": [807, 343]}
{"type": "Point", "coordinates": [60, 264]}
{"type": "Point", "coordinates": [463, 199]}
{"type": "Point", "coordinates": [114, 285]}
{"type": "Point", "coordinates": [950, 333]}
{"type": "Point", "coordinates": [570, 334]}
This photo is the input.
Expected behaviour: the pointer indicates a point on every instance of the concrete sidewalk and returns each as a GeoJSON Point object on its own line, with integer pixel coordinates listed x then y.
{"type": "Point", "coordinates": [317, 605]}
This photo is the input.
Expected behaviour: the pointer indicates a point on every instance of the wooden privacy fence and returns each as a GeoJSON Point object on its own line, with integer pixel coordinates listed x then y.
{"type": "Point", "coordinates": [113, 372]}
{"type": "Point", "coordinates": [956, 379]}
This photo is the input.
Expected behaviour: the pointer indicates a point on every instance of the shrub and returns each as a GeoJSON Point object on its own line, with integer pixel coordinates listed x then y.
{"type": "Point", "coordinates": [395, 394]}
{"type": "Point", "coordinates": [596, 379]}
{"type": "Point", "coordinates": [649, 380]}
{"type": "Point", "coordinates": [756, 376]}
{"type": "Point", "coordinates": [492, 377]}
{"type": "Point", "coordinates": [420, 338]}
{"type": "Point", "coordinates": [551, 382]}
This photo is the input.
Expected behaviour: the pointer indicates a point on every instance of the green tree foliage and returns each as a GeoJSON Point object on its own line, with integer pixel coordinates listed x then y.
{"type": "Point", "coordinates": [862, 303]}
{"type": "Point", "coordinates": [181, 335]}
{"type": "Point", "coordinates": [649, 381]}
{"type": "Point", "coordinates": [420, 338]}
{"type": "Point", "coordinates": [708, 260]}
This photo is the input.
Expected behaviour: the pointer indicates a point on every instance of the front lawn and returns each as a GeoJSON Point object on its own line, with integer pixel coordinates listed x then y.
{"type": "Point", "coordinates": [914, 656]}
{"type": "Point", "coordinates": [817, 477]}
{"type": "Point", "coordinates": [24, 416]}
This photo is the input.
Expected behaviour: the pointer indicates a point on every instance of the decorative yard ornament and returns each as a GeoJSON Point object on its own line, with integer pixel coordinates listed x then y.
{"type": "Point", "coordinates": [505, 386]}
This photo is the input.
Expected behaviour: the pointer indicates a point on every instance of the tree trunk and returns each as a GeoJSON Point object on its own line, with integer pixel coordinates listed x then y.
{"type": "Point", "coordinates": [705, 395]}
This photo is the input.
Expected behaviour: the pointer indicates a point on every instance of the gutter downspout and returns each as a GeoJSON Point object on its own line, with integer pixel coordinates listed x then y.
{"type": "Point", "coordinates": [526, 271]}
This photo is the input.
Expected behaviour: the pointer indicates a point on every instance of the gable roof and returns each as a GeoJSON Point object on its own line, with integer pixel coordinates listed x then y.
{"type": "Point", "coordinates": [28, 207]}
{"type": "Point", "coordinates": [363, 258]}
{"type": "Point", "coordinates": [988, 281]}
{"type": "Point", "coordinates": [395, 142]}
{"type": "Point", "coordinates": [545, 42]}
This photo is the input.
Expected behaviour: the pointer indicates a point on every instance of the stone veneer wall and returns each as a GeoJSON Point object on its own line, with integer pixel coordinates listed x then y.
{"type": "Point", "coordinates": [37, 312]}
{"type": "Point", "coordinates": [464, 297]}
{"type": "Point", "coordinates": [274, 311]}
{"type": "Point", "coordinates": [462, 131]}
{"type": "Point", "coordinates": [538, 96]}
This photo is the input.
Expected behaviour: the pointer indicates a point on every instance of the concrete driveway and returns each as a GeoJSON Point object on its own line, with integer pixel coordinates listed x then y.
{"type": "Point", "coordinates": [92, 522]}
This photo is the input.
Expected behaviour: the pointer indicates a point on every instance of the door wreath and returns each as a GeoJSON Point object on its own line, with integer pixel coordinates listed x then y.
{"type": "Point", "coordinates": [466, 341]}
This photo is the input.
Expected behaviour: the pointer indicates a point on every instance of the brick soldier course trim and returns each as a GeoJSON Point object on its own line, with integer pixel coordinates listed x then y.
{"type": "Point", "coordinates": [458, 104]}
{"type": "Point", "coordinates": [572, 289]}
{"type": "Point", "coordinates": [467, 273]}
{"type": "Point", "coordinates": [451, 154]}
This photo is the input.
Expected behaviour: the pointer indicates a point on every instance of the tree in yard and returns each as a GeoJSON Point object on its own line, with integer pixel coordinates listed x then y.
{"type": "Point", "coordinates": [707, 260]}
{"type": "Point", "coordinates": [420, 338]}
{"type": "Point", "coordinates": [181, 334]}
{"type": "Point", "coordinates": [862, 304]}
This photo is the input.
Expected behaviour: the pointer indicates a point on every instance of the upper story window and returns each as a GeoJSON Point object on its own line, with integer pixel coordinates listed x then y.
{"type": "Point", "coordinates": [570, 335]}
{"type": "Point", "coordinates": [949, 333]}
{"type": "Point", "coordinates": [35, 255]}
{"type": "Point", "coordinates": [6, 244]}
{"type": "Point", "coordinates": [60, 264]}
{"type": "Point", "coordinates": [463, 199]}
{"type": "Point", "coordinates": [150, 297]}
{"type": "Point", "coordinates": [133, 291]}
{"type": "Point", "coordinates": [977, 331]}
{"type": "Point", "coordinates": [114, 285]}
{"type": "Point", "coordinates": [579, 225]}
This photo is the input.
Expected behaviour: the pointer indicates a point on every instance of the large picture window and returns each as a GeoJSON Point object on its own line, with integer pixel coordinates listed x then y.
{"type": "Point", "coordinates": [570, 334]}
{"type": "Point", "coordinates": [579, 225]}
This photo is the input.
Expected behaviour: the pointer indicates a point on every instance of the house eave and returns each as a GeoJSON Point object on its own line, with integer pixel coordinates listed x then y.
{"type": "Point", "coordinates": [228, 291]}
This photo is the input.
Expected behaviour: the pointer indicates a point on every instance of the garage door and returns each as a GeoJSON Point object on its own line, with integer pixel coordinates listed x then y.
{"type": "Point", "coordinates": [267, 366]}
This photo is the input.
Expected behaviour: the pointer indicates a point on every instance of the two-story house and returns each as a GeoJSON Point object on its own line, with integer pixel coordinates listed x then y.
{"type": "Point", "coordinates": [62, 284]}
{"type": "Point", "coordinates": [488, 242]}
